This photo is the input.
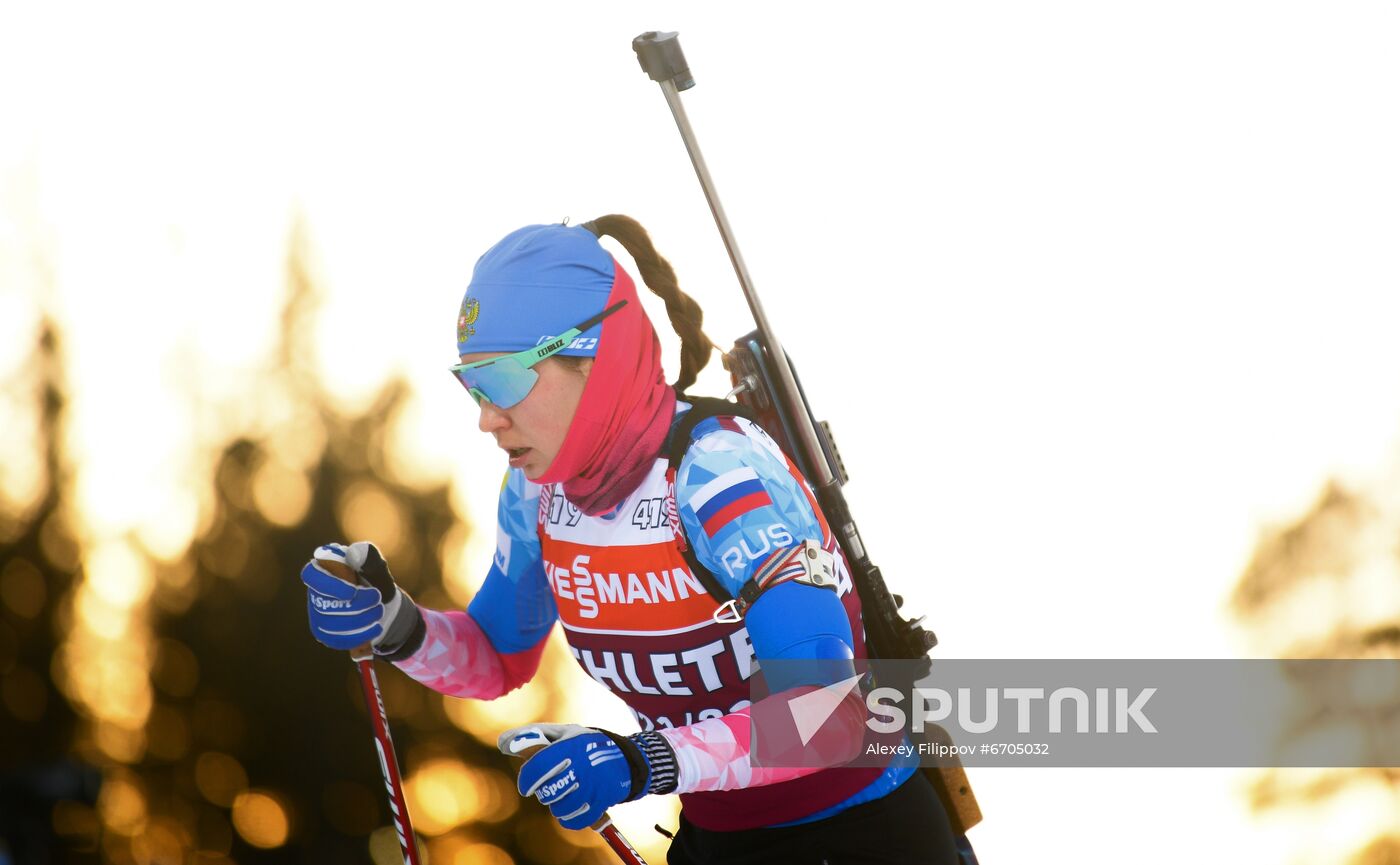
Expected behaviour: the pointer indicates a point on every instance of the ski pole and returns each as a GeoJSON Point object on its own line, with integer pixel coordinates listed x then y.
{"type": "Point", "coordinates": [363, 656]}
{"type": "Point", "coordinates": [528, 742]}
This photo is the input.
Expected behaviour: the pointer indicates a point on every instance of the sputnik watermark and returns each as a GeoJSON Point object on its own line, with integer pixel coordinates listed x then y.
{"type": "Point", "coordinates": [1145, 712]}
{"type": "Point", "coordinates": [937, 706]}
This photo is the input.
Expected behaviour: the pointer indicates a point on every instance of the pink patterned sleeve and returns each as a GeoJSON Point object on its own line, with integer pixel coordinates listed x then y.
{"type": "Point", "coordinates": [457, 659]}
{"type": "Point", "coordinates": [714, 754]}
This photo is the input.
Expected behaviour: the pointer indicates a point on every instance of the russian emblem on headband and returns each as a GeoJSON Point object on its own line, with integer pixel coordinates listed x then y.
{"type": "Point", "coordinates": [471, 308]}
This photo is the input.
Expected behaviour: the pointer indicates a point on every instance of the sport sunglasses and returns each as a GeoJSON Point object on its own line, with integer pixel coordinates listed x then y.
{"type": "Point", "coordinates": [506, 380]}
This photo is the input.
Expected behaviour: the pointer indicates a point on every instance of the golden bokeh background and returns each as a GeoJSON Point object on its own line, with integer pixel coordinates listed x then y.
{"type": "Point", "coordinates": [167, 708]}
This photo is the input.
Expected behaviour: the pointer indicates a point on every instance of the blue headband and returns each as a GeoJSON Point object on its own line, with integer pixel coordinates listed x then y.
{"type": "Point", "coordinates": [538, 282]}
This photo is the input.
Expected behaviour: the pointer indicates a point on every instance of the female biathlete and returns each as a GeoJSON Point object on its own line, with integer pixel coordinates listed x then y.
{"type": "Point", "coordinates": [612, 508]}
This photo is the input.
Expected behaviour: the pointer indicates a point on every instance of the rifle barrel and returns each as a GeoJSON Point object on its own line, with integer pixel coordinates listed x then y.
{"type": "Point", "coordinates": [806, 435]}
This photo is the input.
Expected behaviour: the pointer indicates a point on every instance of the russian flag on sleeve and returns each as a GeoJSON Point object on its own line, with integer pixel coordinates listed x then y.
{"type": "Point", "coordinates": [727, 497]}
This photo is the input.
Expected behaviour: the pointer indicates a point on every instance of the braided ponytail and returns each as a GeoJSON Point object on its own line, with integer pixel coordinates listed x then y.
{"type": "Point", "coordinates": [685, 314]}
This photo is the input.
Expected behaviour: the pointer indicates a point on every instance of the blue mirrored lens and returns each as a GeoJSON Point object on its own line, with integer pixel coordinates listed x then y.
{"type": "Point", "coordinates": [503, 381]}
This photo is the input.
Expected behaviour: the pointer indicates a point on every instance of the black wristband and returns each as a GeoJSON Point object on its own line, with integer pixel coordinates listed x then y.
{"type": "Point", "coordinates": [414, 641]}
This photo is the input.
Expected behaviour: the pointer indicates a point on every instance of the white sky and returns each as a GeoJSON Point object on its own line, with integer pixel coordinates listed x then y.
{"type": "Point", "coordinates": [1090, 291]}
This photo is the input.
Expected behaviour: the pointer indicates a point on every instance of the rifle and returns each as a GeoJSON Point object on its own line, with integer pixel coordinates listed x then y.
{"type": "Point", "coordinates": [766, 384]}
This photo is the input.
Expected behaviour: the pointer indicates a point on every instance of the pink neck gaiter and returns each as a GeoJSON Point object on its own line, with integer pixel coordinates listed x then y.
{"type": "Point", "coordinates": [624, 415]}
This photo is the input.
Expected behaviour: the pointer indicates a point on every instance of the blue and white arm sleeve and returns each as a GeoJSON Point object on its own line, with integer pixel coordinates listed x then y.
{"type": "Point", "coordinates": [740, 504]}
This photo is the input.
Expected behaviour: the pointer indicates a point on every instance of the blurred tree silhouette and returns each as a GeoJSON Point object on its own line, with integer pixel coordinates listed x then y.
{"type": "Point", "coordinates": [38, 566]}
{"type": "Point", "coordinates": [257, 746]}
{"type": "Point", "coordinates": [1311, 590]}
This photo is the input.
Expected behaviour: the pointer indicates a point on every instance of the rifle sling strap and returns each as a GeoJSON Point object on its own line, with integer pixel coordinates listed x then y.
{"type": "Point", "coordinates": [682, 433]}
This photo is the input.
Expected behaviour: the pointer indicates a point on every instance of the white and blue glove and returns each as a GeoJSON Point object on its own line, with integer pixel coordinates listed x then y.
{"type": "Point", "coordinates": [581, 772]}
{"type": "Point", "coordinates": [375, 610]}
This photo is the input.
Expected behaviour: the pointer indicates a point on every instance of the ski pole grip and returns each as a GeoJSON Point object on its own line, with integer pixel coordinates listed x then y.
{"type": "Point", "coordinates": [523, 746]}
{"type": "Point", "coordinates": [344, 572]}
{"type": "Point", "coordinates": [661, 58]}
